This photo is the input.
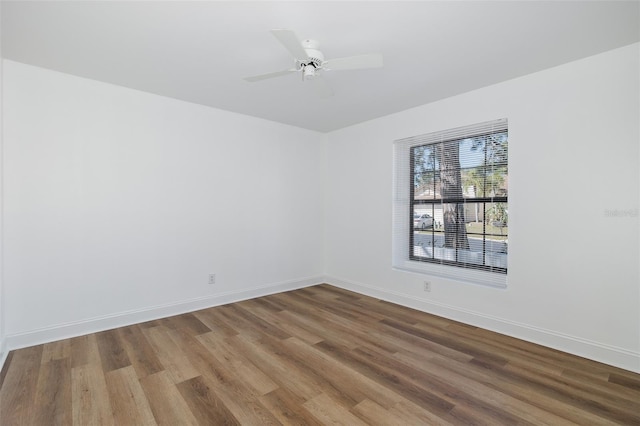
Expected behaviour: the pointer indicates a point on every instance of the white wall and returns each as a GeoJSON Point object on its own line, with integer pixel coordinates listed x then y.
{"type": "Point", "coordinates": [118, 204]}
{"type": "Point", "coordinates": [573, 280]}
{"type": "Point", "coordinates": [3, 353]}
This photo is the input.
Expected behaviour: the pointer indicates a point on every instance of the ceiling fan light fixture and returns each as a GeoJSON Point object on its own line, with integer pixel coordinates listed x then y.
{"type": "Point", "coordinates": [309, 72]}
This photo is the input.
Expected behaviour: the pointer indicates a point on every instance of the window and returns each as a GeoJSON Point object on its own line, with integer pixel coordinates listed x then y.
{"type": "Point", "coordinates": [451, 203]}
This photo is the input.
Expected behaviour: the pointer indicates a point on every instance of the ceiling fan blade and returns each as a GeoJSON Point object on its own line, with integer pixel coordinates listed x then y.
{"type": "Point", "coordinates": [269, 75]}
{"type": "Point", "coordinates": [291, 42]}
{"type": "Point", "coordinates": [322, 88]}
{"type": "Point", "coordinates": [373, 60]}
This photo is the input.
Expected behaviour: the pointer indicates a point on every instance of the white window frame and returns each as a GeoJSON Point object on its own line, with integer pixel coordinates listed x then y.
{"type": "Point", "coordinates": [401, 217]}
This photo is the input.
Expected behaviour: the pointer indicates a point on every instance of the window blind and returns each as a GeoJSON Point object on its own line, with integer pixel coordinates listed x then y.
{"type": "Point", "coordinates": [450, 212]}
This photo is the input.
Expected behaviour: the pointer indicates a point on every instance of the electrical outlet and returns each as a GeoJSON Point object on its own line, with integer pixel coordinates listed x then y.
{"type": "Point", "coordinates": [427, 286]}
{"type": "Point", "coordinates": [212, 279]}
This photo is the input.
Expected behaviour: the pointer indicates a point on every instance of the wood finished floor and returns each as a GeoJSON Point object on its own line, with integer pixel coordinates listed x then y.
{"type": "Point", "coordinates": [319, 355]}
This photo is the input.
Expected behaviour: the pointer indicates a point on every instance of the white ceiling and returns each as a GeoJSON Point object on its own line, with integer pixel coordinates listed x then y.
{"type": "Point", "coordinates": [200, 51]}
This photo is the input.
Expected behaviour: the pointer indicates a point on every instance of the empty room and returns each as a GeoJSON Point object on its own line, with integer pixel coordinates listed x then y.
{"type": "Point", "coordinates": [320, 212]}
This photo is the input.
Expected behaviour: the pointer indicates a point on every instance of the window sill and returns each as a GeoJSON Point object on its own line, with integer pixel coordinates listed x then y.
{"type": "Point", "coordinates": [466, 276]}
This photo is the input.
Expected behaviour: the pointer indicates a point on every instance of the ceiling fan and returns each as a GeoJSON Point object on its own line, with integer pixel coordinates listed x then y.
{"type": "Point", "coordinates": [310, 62]}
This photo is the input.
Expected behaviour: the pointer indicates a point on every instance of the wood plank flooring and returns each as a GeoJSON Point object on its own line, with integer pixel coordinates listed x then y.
{"type": "Point", "coordinates": [314, 356]}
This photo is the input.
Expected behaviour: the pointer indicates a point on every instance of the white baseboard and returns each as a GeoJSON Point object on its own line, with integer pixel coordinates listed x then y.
{"type": "Point", "coordinates": [3, 353]}
{"type": "Point", "coordinates": [618, 357]}
{"type": "Point", "coordinates": [121, 319]}
{"type": "Point", "coordinates": [607, 354]}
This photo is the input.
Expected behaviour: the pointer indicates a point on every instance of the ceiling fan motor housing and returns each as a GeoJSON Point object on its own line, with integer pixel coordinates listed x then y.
{"type": "Point", "coordinates": [316, 58]}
